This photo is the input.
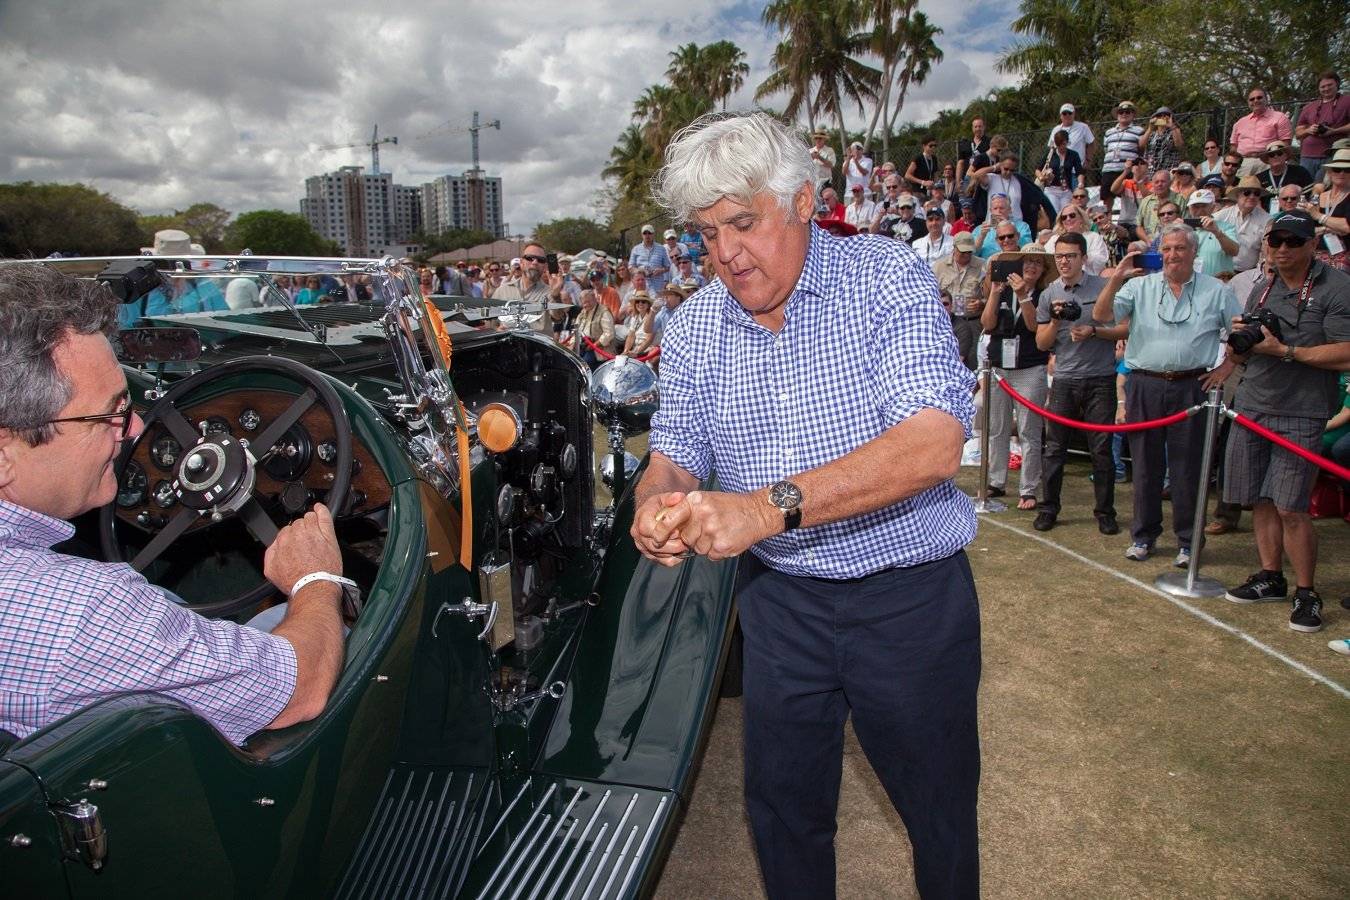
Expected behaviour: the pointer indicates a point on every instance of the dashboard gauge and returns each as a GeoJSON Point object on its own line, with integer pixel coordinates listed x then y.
{"type": "Point", "coordinates": [250, 419]}
{"type": "Point", "coordinates": [327, 452]}
{"type": "Point", "coordinates": [165, 453]}
{"type": "Point", "coordinates": [131, 489]}
{"type": "Point", "coordinates": [567, 461]}
{"type": "Point", "coordinates": [163, 495]}
{"type": "Point", "coordinates": [217, 425]}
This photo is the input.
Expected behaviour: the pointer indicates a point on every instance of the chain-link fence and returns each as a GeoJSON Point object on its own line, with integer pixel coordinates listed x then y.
{"type": "Point", "coordinates": [1032, 146]}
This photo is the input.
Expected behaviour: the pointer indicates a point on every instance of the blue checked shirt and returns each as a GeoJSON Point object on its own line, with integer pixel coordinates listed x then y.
{"type": "Point", "coordinates": [74, 631]}
{"type": "Point", "coordinates": [865, 344]}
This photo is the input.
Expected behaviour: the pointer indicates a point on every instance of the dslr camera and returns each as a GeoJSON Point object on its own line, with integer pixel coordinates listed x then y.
{"type": "Point", "coordinates": [1243, 339]}
{"type": "Point", "coordinates": [1066, 310]}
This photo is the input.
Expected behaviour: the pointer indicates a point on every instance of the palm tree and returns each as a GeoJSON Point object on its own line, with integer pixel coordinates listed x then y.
{"type": "Point", "coordinates": [1066, 37]}
{"type": "Point", "coordinates": [725, 68]}
{"type": "Point", "coordinates": [921, 54]}
{"type": "Point", "coordinates": [887, 42]}
{"type": "Point", "coordinates": [687, 67]}
{"type": "Point", "coordinates": [632, 163]}
{"type": "Point", "coordinates": [822, 40]}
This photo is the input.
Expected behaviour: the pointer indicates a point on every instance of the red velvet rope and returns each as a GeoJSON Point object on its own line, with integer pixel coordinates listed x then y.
{"type": "Point", "coordinates": [649, 355]}
{"type": "Point", "coordinates": [1330, 466]}
{"type": "Point", "coordinates": [1092, 426]}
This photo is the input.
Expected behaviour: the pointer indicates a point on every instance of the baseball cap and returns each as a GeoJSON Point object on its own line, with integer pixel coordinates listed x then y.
{"type": "Point", "coordinates": [820, 132]}
{"type": "Point", "coordinates": [1067, 107]}
{"type": "Point", "coordinates": [1163, 111]}
{"type": "Point", "coordinates": [1185, 167]}
{"type": "Point", "coordinates": [935, 212]}
{"type": "Point", "coordinates": [647, 229]}
{"type": "Point", "coordinates": [1296, 222]}
{"type": "Point", "coordinates": [1124, 105]}
{"type": "Point", "coordinates": [965, 242]}
{"type": "Point", "coordinates": [857, 144]}
{"type": "Point", "coordinates": [670, 233]}
{"type": "Point", "coordinates": [595, 273]}
{"type": "Point", "coordinates": [564, 258]}
{"type": "Point", "coordinates": [515, 262]}
{"type": "Point", "coordinates": [856, 188]}
{"type": "Point", "coordinates": [1200, 197]}
{"type": "Point", "coordinates": [1211, 181]}
{"type": "Point", "coordinates": [1275, 147]}
{"type": "Point", "coordinates": [907, 200]}
{"type": "Point", "coordinates": [967, 202]}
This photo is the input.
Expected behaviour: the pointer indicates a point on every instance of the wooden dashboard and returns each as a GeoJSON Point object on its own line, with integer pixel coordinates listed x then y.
{"type": "Point", "coordinates": [303, 467]}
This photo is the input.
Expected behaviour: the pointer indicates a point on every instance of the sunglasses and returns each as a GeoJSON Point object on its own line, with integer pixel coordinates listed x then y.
{"type": "Point", "coordinates": [1249, 193]}
{"type": "Point", "coordinates": [120, 420]}
{"type": "Point", "coordinates": [1289, 199]}
{"type": "Point", "coordinates": [534, 257]}
{"type": "Point", "coordinates": [1169, 214]}
{"type": "Point", "coordinates": [1066, 216]}
{"type": "Point", "coordinates": [1007, 237]}
{"type": "Point", "coordinates": [1229, 165]}
{"type": "Point", "coordinates": [1080, 196]}
{"type": "Point", "coordinates": [1255, 99]}
{"type": "Point", "coordinates": [1291, 241]}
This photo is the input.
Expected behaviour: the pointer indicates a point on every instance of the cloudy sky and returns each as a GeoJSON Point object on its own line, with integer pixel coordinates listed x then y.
{"type": "Point", "coordinates": [162, 104]}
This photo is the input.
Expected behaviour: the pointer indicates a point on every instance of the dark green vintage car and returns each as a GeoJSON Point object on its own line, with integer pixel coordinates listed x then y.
{"type": "Point", "coordinates": [523, 699]}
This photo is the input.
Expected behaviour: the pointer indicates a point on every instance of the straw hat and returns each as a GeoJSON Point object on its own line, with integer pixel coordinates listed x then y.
{"type": "Point", "coordinates": [172, 242]}
{"type": "Point", "coordinates": [1032, 251]}
{"type": "Point", "coordinates": [1248, 183]}
{"type": "Point", "coordinates": [1340, 162]}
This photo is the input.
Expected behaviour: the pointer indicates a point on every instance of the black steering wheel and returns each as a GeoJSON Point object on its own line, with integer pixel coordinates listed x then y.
{"type": "Point", "coordinates": [214, 477]}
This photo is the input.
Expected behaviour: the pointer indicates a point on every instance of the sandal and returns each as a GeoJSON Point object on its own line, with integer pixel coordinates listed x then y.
{"type": "Point", "coordinates": [1026, 502]}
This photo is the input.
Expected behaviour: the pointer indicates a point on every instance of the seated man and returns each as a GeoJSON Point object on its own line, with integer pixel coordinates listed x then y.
{"type": "Point", "coordinates": [75, 631]}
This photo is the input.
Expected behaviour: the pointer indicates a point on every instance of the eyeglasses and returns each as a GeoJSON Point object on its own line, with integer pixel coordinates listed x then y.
{"type": "Point", "coordinates": [1257, 99]}
{"type": "Point", "coordinates": [1291, 241]}
{"type": "Point", "coordinates": [1067, 256]}
{"type": "Point", "coordinates": [1293, 199]}
{"type": "Point", "coordinates": [120, 420]}
{"type": "Point", "coordinates": [534, 257]}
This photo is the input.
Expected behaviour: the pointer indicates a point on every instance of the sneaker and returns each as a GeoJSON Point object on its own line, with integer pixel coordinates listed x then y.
{"type": "Point", "coordinates": [1139, 552]}
{"type": "Point", "coordinates": [1307, 614]}
{"type": "Point", "coordinates": [1107, 525]}
{"type": "Point", "coordinates": [1261, 587]}
{"type": "Point", "coordinates": [995, 492]}
{"type": "Point", "coordinates": [1045, 520]}
{"type": "Point", "coordinates": [1340, 645]}
{"type": "Point", "coordinates": [1183, 560]}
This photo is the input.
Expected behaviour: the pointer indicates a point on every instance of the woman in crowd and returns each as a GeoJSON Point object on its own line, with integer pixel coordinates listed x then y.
{"type": "Point", "coordinates": [642, 330]}
{"type": "Point", "coordinates": [923, 169]}
{"type": "Point", "coordinates": [1162, 141]}
{"type": "Point", "coordinates": [1062, 173]}
{"type": "Point", "coordinates": [1331, 210]}
{"type": "Point", "coordinates": [1074, 219]}
{"type": "Point", "coordinates": [1009, 318]}
{"type": "Point", "coordinates": [311, 292]}
{"type": "Point", "coordinates": [1183, 179]}
{"type": "Point", "coordinates": [1213, 161]}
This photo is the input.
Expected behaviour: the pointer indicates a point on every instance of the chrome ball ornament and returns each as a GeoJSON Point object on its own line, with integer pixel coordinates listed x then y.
{"type": "Point", "coordinates": [625, 393]}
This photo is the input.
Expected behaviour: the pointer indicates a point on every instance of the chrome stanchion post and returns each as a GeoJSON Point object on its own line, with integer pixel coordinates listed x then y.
{"type": "Point", "coordinates": [983, 502]}
{"type": "Point", "coordinates": [1192, 583]}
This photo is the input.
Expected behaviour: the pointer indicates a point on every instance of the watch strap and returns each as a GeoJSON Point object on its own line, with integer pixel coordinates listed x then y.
{"type": "Point", "coordinates": [792, 518]}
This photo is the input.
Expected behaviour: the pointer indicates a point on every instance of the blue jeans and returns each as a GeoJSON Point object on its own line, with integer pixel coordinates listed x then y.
{"type": "Point", "coordinates": [900, 651]}
{"type": "Point", "coordinates": [1314, 166]}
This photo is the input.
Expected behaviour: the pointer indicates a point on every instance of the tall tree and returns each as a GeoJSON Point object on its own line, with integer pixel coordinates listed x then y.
{"type": "Point", "coordinates": [726, 68]}
{"type": "Point", "coordinates": [920, 53]}
{"type": "Point", "coordinates": [271, 231]}
{"type": "Point", "coordinates": [573, 234]}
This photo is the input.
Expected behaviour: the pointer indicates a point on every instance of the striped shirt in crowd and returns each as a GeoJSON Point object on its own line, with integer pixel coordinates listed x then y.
{"type": "Point", "coordinates": [1122, 147]}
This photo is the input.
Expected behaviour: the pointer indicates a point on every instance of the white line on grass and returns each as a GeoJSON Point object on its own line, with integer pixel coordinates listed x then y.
{"type": "Point", "coordinates": [1180, 604]}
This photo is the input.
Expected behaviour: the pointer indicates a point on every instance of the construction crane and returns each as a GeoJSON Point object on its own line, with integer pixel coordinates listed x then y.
{"type": "Point", "coordinates": [374, 145]}
{"type": "Point", "coordinates": [473, 130]}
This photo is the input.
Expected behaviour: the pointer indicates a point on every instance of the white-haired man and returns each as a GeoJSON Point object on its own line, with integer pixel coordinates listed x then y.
{"type": "Point", "coordinates": [1176, 318]}
{"type": "Point", "coordinates": [855, 595]}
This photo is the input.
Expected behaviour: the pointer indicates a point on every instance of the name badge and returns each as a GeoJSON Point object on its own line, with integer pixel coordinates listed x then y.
{"type": "Point", "coordinates": [1010, 353]}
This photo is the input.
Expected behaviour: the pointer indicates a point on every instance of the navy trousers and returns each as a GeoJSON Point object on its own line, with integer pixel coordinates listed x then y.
{"type": "Point", "coordinates": [900, 650]}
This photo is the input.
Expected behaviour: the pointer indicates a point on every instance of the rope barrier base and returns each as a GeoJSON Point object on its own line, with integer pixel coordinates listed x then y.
{"type": "Point", "coordinates": [605, 355]}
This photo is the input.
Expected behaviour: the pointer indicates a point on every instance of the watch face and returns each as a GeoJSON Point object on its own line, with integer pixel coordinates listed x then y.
{"type": "Point", "coordinates": [785, 495]}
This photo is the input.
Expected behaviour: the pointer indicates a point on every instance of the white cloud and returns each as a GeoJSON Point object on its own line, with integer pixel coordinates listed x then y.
{"type": "Point", "coordinates": [164, 104]}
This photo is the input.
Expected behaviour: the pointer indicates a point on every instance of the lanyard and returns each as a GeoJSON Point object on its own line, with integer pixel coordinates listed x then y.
{"type": "Point", "coordinates": [1304, 295]}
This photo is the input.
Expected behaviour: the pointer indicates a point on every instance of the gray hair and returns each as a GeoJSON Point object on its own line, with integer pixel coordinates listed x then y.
{"type": "Point", "coordinates": [1179, 228]}
{"type": "Point", "coordinates": [39, 308]}
{"type": "Point", "coordinates": [735, 155]}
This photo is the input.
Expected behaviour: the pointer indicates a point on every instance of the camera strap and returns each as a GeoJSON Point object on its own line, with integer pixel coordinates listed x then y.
{"type": "Point", "coordinates": [1304, 293]}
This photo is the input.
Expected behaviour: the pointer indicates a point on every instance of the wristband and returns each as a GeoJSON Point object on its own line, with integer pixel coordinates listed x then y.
{"type": "Point", "coordinates": [347, 585]}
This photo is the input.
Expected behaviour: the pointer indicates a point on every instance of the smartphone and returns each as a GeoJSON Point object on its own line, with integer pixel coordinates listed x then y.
{"type": "Point", "coordinates": [552, 263]}
{"type": "Point", "coordinates": [1151, 261]}
{"type": "Point", "coordinates": [1194, 223]}
{"type": "Point", "coordinates": [1002, 268]}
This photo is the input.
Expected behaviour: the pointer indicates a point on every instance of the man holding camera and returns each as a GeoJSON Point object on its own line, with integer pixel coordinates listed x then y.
{"type": "Point", "coordinates": [959, 277]}
{"type": "Point", "coordinates": [1293, 338]}
{"type": "Point", "coordinates": [1085, 380]}
{"type": "Point", "coordinates": [1175, 319]}
{"type": "Point", "coordinates": [652, 260]}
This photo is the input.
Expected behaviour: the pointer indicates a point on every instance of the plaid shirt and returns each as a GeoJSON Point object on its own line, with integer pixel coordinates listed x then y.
{"type": "Point", "coordinates": [865, 344]}
{"type": "Point", "coordinates": [74, 631]}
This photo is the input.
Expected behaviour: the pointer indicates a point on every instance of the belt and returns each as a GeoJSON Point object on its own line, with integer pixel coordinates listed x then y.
{"type": "Point", "coordinates": [1170, 376]}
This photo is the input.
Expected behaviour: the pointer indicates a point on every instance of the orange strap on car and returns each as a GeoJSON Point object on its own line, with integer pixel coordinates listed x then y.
{"type": "Point", "coordinates": [441, 339]}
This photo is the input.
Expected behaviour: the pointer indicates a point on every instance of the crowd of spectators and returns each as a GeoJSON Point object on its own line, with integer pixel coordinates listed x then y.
{"type": "Point", "coordinates": [1106, 286]}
